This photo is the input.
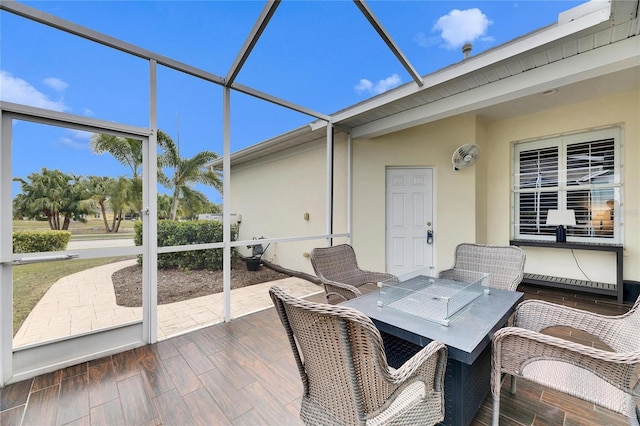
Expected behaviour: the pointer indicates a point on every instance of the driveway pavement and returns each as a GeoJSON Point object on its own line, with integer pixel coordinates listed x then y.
{"type": "Point", "coordinates": [85, 301]}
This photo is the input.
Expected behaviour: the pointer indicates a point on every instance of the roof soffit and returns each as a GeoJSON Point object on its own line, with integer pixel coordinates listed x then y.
{"type": "Point", "coordinates": [592, 64]}
{"type": "Point", "coordinates": [488, 59]}
{"type": "Point", "coordinates": [439, 88]}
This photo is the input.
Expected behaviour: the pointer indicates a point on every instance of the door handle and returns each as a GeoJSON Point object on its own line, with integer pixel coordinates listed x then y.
{"type": "Point", "coordinates": [429, 236]}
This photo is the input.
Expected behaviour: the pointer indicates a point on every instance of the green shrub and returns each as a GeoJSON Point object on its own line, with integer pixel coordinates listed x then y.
{"type": "Point", "coordinates": [37, 241]}
{"type": "Point", "coordinates": [180, 233]}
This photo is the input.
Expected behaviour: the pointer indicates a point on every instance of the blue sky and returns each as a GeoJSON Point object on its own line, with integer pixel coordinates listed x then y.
{"type": "Point", "coordinates": [322, 55]}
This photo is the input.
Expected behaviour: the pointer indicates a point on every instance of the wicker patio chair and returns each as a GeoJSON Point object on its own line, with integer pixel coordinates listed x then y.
{"type": "Point", "coordinates": [503, 264]}
{"type": "Point", "coordinates": [608, 378]}
{"type": "Point", "coordinates": [338, 270]}
{"type": "Point", "coordinates": [344, 371]}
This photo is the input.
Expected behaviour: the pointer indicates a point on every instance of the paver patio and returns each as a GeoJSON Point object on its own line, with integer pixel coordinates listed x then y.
{"type": "Point", "coordinates": [85, 301]}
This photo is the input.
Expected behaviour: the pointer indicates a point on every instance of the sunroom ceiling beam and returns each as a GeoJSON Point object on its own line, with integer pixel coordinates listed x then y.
{"type": "Point", "coordinates": [264, 18]}
{"type": "Point", "coordinates": [389, 41]}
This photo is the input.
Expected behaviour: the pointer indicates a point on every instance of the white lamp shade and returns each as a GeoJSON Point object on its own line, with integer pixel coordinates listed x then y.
{"type": "Point", "coordinates": [561, 217]}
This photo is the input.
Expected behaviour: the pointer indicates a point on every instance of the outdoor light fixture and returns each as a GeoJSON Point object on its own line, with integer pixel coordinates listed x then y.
{"type": "Point", "coordinates": [561, 218]}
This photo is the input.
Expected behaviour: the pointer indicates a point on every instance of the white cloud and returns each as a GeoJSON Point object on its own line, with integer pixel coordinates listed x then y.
{"type": "Point", "coordinates": [462, 26]}
{"type": "Point", "coordinates": [80, 134]}
{"type": "Point", "coordinates": [67, 142]}
{"type": "Point", "coordinates": [75, 140]}
{"type": "Point", "coordinates": [17, 90]}
{"type": "Point", "coordinates": [87, 112]}
{"type": "Point", "coordinates": [363, 85]}
{"type": "Point", "coordinates": [56, 83]}
{"type": "Point", "coordinates": [366, 86]}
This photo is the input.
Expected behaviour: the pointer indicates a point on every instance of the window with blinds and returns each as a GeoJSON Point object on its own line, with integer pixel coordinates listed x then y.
{"type": "Point", "coordinates": [580, 172]}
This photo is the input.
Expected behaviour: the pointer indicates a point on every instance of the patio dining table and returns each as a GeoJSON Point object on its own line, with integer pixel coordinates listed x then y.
{"type": "Point", "coordinates": [467, 333]}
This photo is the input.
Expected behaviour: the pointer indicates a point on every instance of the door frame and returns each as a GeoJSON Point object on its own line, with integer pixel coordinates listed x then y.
{"type": "Point", "coordinates": [40, 358]}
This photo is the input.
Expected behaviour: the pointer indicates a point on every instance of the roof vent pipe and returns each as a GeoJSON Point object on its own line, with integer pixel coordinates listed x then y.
{"type": "Point", "coordinates": [466, 50]}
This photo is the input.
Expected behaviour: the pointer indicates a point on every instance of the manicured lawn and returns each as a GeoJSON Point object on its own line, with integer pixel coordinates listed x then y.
{"type": "Point", "coordinates": [92, 226]}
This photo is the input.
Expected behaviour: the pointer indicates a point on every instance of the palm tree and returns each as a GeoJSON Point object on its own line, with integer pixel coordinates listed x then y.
{"type": "Point", "coordinates": [126, 151]}
{"type": "Point", "coordinates": [191, 203]}
{"type": "Point", "coordinates": [164, 206]}
{"type": "Point", "coordinates": [186, 171]}
{"type": "Point", "coordinates": [55, 195]}
{"type": "Point", "coordinates": [122, 201]}
{"type": "Point", "coordinates": [100, 188]}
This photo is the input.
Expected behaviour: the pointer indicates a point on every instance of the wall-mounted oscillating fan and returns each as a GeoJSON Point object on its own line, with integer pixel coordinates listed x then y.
{"type": "Point", "coordinates": [465, 156]}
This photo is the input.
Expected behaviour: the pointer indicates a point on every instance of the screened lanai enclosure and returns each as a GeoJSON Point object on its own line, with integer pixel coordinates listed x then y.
{"type": "Point", "coordinates": [182, 143]}
{"type": "Point", "coordinates": [130, 151]}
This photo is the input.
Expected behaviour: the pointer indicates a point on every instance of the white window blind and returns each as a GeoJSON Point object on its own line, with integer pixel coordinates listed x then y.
{"type": "Point", "coordinates": [579, 172]}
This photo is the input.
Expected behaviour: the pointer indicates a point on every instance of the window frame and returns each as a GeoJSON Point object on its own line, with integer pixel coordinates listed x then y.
{"type": "Point", "coordinates": [563, 189]}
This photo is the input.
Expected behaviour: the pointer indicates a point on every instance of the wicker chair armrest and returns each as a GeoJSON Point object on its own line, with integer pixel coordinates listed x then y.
{"type": "Point", "coordinates": [536, 315]}
{"type": "Point", "coordinates": [419, 364]}
{"type": "Point", "coordinates": [342, 290]}
{"type": "Point", "coordinates": [448, 274]}
{"type": "Point", "coordinates": [566, 345]}
{"type": "Point", "coordinates": [427, 366]}
{"type": "Point", "coordinates": [514, 347]}
{"type": "Point", "coordinates": [364, 277]}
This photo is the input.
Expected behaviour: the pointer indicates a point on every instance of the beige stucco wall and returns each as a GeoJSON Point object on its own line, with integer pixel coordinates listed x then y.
{"type": "Point", "coordinates": [455, 203]}
{"type": "Point", "coordinates": [274, 193]}
{"type": "Point", "coordinates": [621, 109]}
{"type": "Point", "coordinates": [471, 205]}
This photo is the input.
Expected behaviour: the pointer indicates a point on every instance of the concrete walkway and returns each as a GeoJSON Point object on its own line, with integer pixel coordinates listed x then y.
{"type": "Point", "coordinates": [85, 301]}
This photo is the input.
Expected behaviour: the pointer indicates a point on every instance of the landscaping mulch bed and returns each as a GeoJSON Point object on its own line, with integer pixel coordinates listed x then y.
{"type": "Point", "coordinates": [175, 285]}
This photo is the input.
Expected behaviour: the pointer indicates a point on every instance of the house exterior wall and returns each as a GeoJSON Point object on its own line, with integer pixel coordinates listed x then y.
{"type": "Point", "coordinates": [471, 205]}
{"type": "Point", "coordinates": [455, 202]}
{"type": "Point", "coordinates": [623, 109]}
{"type": "Point", "coordinates": [274, 193]}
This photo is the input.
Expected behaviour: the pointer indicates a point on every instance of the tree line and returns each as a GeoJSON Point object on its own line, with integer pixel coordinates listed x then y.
{"type": "Point", "coordinates": [61, 197]}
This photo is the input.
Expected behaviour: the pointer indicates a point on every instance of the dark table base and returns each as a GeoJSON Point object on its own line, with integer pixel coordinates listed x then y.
{"type": "Point", "coordinates": [465, 386]}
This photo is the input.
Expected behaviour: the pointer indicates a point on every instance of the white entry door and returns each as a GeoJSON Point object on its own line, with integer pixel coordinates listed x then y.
{"type": "Point", "coordinates": [409, 216]}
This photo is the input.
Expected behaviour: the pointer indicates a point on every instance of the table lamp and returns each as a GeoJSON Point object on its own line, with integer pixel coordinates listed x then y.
{"type": "Point", "coordinates": [561, 218]}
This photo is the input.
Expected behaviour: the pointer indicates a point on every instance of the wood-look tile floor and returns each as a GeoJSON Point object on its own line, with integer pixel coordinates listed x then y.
{"type": "Point", "coordinates": [242, 373]}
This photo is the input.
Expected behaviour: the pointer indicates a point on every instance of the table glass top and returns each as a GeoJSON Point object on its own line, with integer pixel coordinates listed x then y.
{"type": "Point", "coordinates": [435, 299]}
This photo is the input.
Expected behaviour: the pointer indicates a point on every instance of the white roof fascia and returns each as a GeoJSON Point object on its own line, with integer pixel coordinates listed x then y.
{"type": "Point", "coordinates": [518, 46]}
{"type": "Point", "coordinates": [607, 59]}
{"type": "Point", "coordinates": [217, 163]}
{"type": "Point", "coordinates": [593, 6]}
